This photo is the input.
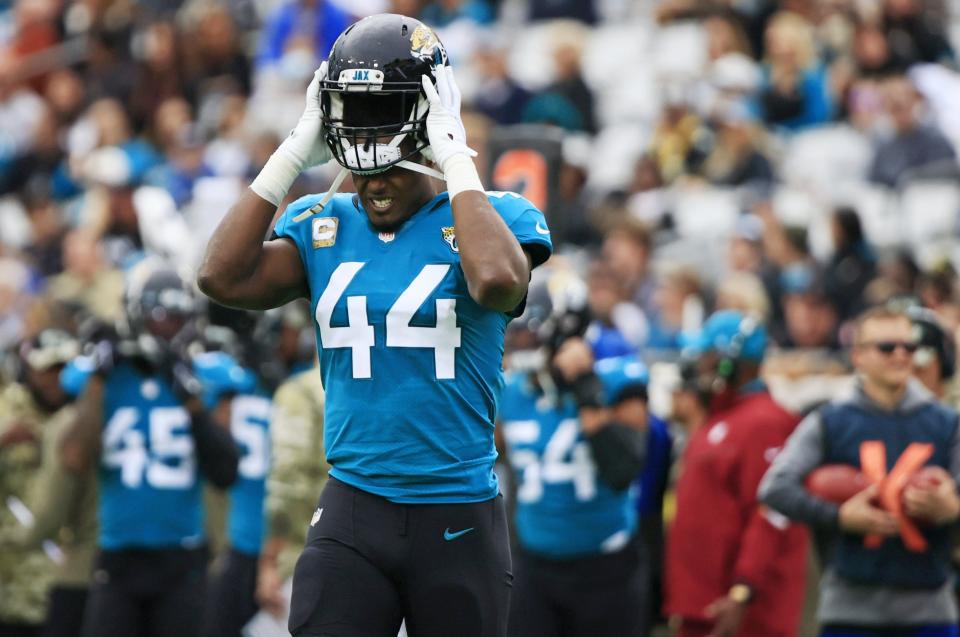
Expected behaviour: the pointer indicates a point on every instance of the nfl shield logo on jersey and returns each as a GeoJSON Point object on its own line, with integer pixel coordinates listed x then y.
{"type": "Point", "coordinates": [450, 238]}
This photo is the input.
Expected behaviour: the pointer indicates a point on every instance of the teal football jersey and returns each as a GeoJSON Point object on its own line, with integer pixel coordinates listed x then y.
{"type": "Point", "coordinates": [250, 425]}
{"type": "Point", "coordinates": [410, 362]}
{"type": "Point", "coordinates": [149, 486]}
{"type": "Point", "coordinates": [563, 508]}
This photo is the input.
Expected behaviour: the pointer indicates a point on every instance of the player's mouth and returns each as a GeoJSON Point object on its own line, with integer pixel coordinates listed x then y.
{"type": "Point", "coordinates": [380, 204]}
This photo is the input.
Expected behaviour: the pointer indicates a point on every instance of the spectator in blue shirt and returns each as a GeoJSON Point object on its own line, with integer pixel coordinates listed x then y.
{"type": "Point", "coordinates": [795, 93]}
{"type": "Point", "coordinates": [319, 20]}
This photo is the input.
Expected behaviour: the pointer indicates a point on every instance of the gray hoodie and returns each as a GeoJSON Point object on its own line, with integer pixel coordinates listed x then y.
{"type": "Point", "coordinates": [841, 601]}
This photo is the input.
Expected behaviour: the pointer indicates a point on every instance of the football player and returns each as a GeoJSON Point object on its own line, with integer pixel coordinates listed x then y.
{"type": "Point", "coordinates": [143, 426]}
{"type": "Point", "coordinates": [575, 433]}
{"type": "Point", "coordinates": [411, 291]}
{"type": "Point", "coordinates": [233, 579]}
{"type": "Point", "coordinates": [298, 471]}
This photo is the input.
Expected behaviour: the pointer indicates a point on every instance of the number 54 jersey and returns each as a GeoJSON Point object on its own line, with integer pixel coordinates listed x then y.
{"type": "Point", "coordinates": [410, 362]}
{"type": "Point", "coordinates": [564, 509]}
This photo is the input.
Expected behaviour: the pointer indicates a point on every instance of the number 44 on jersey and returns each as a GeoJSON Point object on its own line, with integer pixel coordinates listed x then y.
{"type": "Point", "coordinates": [358, 335]}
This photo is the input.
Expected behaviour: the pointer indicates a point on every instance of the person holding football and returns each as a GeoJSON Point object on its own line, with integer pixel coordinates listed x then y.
{"type": "Point", "coordinates": [888, 568]}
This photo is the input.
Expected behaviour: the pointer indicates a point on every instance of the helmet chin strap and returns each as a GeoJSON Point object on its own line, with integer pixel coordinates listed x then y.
{"type": "Point", "coordinates": [334, 187]}
{"type": "Point", "coordinates": [420, 168]}
{"type": "Point", "coordinates": [412, 165]}
{"type": "Point", "coordinates": [342, 175]}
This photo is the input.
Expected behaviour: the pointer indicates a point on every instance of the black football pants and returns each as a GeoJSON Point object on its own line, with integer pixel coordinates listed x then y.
{"type": "Point", "coordinates": [231, 599]}
{"type": "Point", "coordinates": [19, 630]}
{"type": "Point", "coordinates": [369, 563]}
{"type": "Point", "coordinates": [595, 596]}
{"type": "Point", "coordinates": [65, 617]}
{"type": "Point", "coordinates": [147, 593]}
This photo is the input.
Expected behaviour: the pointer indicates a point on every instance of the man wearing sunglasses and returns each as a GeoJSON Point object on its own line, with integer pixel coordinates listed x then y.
{"type": "Point", "coordinates": [873, 582]}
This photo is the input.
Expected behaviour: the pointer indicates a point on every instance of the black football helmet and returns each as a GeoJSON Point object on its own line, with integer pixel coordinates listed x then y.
{"type": "Point", "coordinates": [229, 330]}
{"type": "Point", "coordinates": [556, 309]}
{"type": "Point", "coordinates": [159, 307]}
{"type": "Point", "coordinates": [373, 106]}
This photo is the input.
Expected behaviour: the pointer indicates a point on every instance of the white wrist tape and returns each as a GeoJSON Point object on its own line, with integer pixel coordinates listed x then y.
{"type": "Point", "coordinates": [276, 177]}
{"type": "Point", "coordinates": [461, 174]}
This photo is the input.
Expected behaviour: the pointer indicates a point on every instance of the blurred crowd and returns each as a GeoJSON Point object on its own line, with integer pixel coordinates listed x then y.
{"type": "Point", "coordinates": [792, 160]}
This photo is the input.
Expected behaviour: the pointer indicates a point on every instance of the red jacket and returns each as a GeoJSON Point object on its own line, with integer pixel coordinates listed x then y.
{"type": "Point", "coordinates": [722, 536]}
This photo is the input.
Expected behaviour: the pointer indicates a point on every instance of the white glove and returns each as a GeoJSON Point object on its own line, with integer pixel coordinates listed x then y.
{"type": "Point", "coordinates": [304, 148]}
{"type": "Point", "coordinates": [444, 126]}
{"type": "Point", "coordinates": [448, 139]}
{"type": "Point", "coordinates": [307, 140]}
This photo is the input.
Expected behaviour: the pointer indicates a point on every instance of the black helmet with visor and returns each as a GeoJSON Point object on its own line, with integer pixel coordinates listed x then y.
{"type": "Point", "coordinates": [373, 106]}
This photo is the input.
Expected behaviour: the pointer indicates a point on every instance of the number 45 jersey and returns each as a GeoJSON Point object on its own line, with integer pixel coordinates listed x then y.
{"type": "Point", "coordinates": [410, 362]}
{"type": "Point", "coordinates": [149, 485]}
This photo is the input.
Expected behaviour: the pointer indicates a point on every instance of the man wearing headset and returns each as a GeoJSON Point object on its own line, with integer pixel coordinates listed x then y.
{"type": "Point", "coordinates": [934, 362]}
{"type": "Point", "coordinates": [733, 567]}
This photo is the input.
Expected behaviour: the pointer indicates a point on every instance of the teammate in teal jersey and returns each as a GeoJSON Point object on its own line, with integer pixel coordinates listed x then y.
{"type": "Point", "coordinates": [575, 432]}
{"type": "Point", "coordinates": [142, 427]}
{"type": "Point", "coordinates": [411, 291]}
{"type": "Point", "coordinates": [229, 335]}
{"type": "Point", "coordinates": [233, 581]}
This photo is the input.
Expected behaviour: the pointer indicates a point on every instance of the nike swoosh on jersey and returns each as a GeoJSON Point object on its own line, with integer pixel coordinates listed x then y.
{"type": "Point", "coordinates": [540, 229]}
{"type": "Point", "coordinates": [448, 535]}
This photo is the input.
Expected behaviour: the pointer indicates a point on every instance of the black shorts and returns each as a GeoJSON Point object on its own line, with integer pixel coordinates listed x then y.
{"type": "Point", "coordinates": [147, 593]}
{"type": "Point", "coordinates": [369, 563]}
{"type": "Point", "coordinates": [19, 630]}
{"type": "Point", "coordinates": [231, 594]}
{"type": "Point", "coordinates": [65, 616]}
{"type": "Point", "coordinates": [595, 596]}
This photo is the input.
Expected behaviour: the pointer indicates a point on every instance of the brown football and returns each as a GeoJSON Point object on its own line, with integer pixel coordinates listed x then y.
{"type": "Point", "coordinates": [836, 483]}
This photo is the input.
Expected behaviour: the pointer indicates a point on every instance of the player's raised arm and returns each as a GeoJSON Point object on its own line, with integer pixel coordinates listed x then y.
{"type": "Point", "coordinates": [240, 268]}
{"type": "Point", "coordinates": [495, 266]}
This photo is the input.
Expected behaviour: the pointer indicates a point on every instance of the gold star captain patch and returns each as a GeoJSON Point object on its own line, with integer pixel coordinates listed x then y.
{"type": "Point", "coordinates": [324, 232]}
{"type": "Point", "coordinates": [450, 237]}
